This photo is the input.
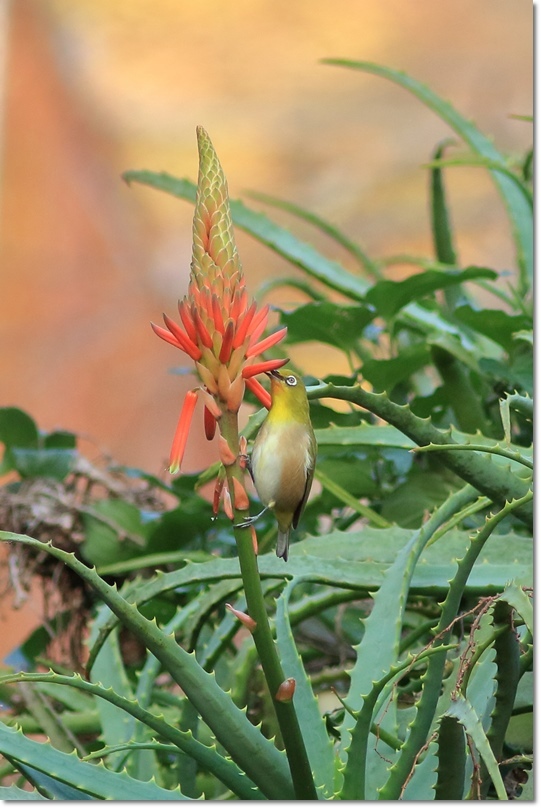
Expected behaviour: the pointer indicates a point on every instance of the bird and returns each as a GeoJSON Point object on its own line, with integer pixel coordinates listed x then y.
{"type": "Point", "coordinates": [283, 457]}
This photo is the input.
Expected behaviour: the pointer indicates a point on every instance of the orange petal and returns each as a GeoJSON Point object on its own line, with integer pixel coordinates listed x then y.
{"type": "Point", "coordinates": [187, 321]}
{"type": "Point", "coordinates": [227, 344]}
{"type": "Point", "coordinates": [182, 430]}
{"type": "Point", "coordinates": [202, 330]}
{"type": "Point", "coordinates": [259, 347]}
{"type": "Point", "coordinates": [217, 315]}
{"type": "Point", "coordinates": [259, 391]}
{"type": "Point", "coordinates": [189, 347]}
{"type": "Point", "coordinates": [244, 325]}
{"type": "Point", "coordinates": [259, 323]}
{"type": "Point", "coordinates": [262, 367]}
{"type": "Point", "coordinates": [254, 540]}
{"type": "Point", "coordinates": [165, 335]}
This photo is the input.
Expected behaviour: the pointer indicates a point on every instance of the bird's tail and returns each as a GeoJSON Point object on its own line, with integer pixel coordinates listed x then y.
{"type": "Point", "coordinates": [282, 545]}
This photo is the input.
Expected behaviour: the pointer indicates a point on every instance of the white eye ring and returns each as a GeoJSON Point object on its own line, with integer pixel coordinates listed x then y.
{"type": "Point", "coordinates": [291, 381]}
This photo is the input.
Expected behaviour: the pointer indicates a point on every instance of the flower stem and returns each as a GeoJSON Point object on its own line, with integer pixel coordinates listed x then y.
{"type": "Point", "coordinates": [299, 765]}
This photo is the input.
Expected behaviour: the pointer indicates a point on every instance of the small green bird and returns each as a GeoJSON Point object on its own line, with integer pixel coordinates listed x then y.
{"type": "Point", "coordinates": [284, 455]}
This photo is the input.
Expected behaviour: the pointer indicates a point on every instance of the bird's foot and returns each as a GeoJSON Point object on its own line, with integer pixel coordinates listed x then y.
{"type": "Point", "coordinates": [249, 521]}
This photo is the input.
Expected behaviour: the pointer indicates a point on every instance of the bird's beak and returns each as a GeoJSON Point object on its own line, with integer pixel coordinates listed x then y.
{"type": "Point", "coordinates": [275, 373]}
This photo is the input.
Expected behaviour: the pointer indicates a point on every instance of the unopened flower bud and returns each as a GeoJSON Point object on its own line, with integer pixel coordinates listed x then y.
{"type": "Point", "coordinates": [244, 618]}
{"type": "Point", "coordinates": [286, 690]}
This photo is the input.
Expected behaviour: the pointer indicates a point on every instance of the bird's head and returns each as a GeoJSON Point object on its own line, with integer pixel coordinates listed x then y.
{"type": "Point", "coordinates": [288, 394]}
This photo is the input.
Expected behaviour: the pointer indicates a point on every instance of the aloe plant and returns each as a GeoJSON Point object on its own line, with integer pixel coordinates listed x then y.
{"type": "Point", "coordinates": [400, 629]}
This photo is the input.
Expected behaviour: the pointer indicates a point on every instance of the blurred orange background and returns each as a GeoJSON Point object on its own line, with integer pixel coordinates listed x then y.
{"type": "Point", "coordinates": [89, 89]}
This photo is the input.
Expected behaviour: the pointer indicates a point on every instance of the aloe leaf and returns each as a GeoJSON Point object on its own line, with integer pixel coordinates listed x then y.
{"type": "Point", "coordinates": [442, 233]}
{"type": "Point", "coordinates": [225, 770]}
{"type": "Point", "coordinates": [495, 449]}
{"type": "Point", "coordinates": [432, 678]}
{"type": "Point", "coordinates": [500, 484]}
{"type": "Point", "coordinates": [255, 755]}
{"type": "Point", "coordinates": [388, 297]}
{"type": "Point", "coordinates": [518, 208]}
{"type": "Point", "coordinates": [109, 671]}
{"type": "Point", "coordinates": [516, 597]}
{"type": "Point", "coordinates": [324, 226]}
{"type": "Point", "coordinates": [507, 662]}
{"type": "Point", "coordinates": [472, 161]}
{"type": "Point", "coordinates": [386, 437]}
{"type": "Point", "coordinates": [451, 760]}
{"type": "Point", "coordinates": [318, 744]}
{"type": "Point", "coordinates": [462, 711]}
{"type": "Point", "coordinates": [380, 646]}
{"type": "Point", "coordinates": [10, 793]}
{"type": "Point", "coordinates": [356, 560]}
{"type": "Point", "coordinates": [92, 780]}
{"type": "Point", "coordinates": [354, 784]}
{"type": "Point", "coordinates": [348, 499]}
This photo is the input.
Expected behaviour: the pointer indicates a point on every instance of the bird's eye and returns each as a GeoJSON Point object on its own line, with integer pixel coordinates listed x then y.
{"type": "Point", "coordinates": [291, 381]}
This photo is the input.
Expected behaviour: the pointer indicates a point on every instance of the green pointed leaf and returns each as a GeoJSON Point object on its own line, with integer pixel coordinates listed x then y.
{"type": "Point", "coordinates": [17, 428]}
{"type": "Point", "coordinates": [385, 374]}
{"type": "Point", "coordinates": [389, 297]}
{"type": "Point", "coordinates": [462, 710]}
{"type": "Point", "coordinates": [441, 225]}
{"type": "Point", "coordinates": [495, 324]}
{"type": "Point", "coordinates": [54, 463]}
{"type": "Point", "coordinates": [333, 324]}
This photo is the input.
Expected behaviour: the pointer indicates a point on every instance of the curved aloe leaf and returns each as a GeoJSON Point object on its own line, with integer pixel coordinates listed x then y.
{"type": "Point", "coordinates": [225, 770]}
{"type": "Point", "coordinates": [463, 712]}
{"type": "Point", "coordinates": [88, 780]}
{"type": "Point", "coordinates": [518, 207]}
{"type": "Point", "coordinates": [356, 560]}
{"type": "Point", "coordinates": [379, 648]}
{"type": "Point", "coordinates": [432, 679]}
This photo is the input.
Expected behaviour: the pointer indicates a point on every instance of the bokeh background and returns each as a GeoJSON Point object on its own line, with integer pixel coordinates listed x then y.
{"type": "Point", "coordinates": [91, 88]}
{"type": "Point", "coordinates": [94, 87]}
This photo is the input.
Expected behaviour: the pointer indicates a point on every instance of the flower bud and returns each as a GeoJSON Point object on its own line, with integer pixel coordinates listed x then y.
{"type": "Point", "coordinates": [286, 690]}
{"type": "Point", "coordinates": [244, 618]}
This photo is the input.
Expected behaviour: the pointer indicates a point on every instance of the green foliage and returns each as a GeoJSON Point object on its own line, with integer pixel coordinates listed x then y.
{"type": "Point", "coordinates": [404, 616]}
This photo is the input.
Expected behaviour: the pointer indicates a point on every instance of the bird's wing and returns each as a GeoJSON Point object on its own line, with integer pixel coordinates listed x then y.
{"type": "Point", "coordinates": [309, 478]}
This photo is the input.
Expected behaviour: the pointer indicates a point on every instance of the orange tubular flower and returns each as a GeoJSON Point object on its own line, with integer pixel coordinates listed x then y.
{"type": "Point", "coordinates": [220, 328]}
